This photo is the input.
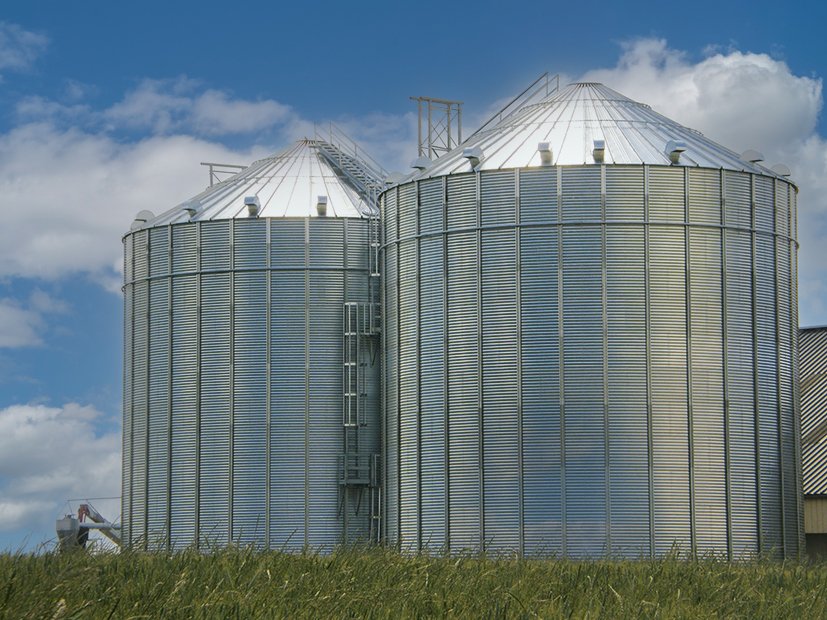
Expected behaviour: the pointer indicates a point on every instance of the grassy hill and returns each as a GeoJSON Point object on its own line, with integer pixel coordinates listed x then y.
{"type": "Point", "coordinates": [376, 583]}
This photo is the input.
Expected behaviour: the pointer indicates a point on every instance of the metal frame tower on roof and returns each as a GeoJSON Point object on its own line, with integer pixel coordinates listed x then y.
{"type": "Point", "coordinates": [443, 119]}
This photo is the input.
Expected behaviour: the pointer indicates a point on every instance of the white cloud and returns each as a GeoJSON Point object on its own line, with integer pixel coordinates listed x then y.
{"type": "Point", "coordinates": [19, 48]}
{"type": "Point", "coordinates": [214, 113]}
{"type": "Point", "coordinates": [49, 455]}
{"type": "Point", "coordinates": [744, 101]}
{"type": "Point", "coordinates": [169, 106]}
{"type": "Point", "coordinates": [19, 327]}
{"type": "Point", "coordinates": [23, 324]}
{"type": "Point", "coordinates": [67, 195]}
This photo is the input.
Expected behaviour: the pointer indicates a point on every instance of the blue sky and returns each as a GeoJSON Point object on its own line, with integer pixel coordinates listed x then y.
{"type": "Point", "coordinates": [106, 109]}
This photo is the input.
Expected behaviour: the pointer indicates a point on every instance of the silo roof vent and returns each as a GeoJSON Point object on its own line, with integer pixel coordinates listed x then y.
{"type": "Point", "coordinates": [599, 151]}
{"type": "Point", "coordinates": [673, 150]}
{"type": "Point", "coordinates": [752, 156]}
{"type": "Point", "coordinates": [321, 206]}
{"type": "Point", "coordinates": [191, 208]}
{"type": "Point", "coordinates": [546, 154]}
{"type": "Point", "coordinates": [142, 218]}
{"type": "Point", "coordinates": [473, 154]}
{"type": "Point", "coordinates": [420, 163]}
{"type": "Point", "coordinates": [253, 205]}
{"type": "Point", "coordinates": [781, 170]}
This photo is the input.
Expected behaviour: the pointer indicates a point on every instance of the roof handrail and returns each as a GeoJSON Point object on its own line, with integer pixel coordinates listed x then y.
{"type": "Point", "coordinates": [536, 91]}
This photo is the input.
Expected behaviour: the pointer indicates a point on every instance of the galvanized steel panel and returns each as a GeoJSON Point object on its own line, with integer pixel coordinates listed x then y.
{"type": "Point", "coordinates": [538, 195]}
{"type": "Point", "coordinates": [667, 194]}
{"type": "Point", "coordinates": [461, 208]}
{"type": "Point", "coordinates": [140, 406]}
{"type": "Point", "coordinates": [215, 245]}
{"type": "Point", "coordinates": [626, 386]}
{"type": "Point", "coordinates": [581, 194]}
{"type": "Point", "coordinates": [215, 409]}
{"type": "Point", "coordinates": [584, 419]}
{"type": "Point", "coordinates": [433, 395]}
{"type": "Point", "coordinates": [431, 199]}
{"type": "Point", "coordinates": [390, 413]}
{"type": "Point", "coordinates": [158, 436]}
{"type": "Point", "coordinates": [185, 398]}
{"type": "Point", "coordinates": [500, 393]}
{"type": "Point", "coordinates": [324, 422]}
{"type": "Point", "coordinates": [710, 456]}
{"type": "Point", "coordinates": [769, 470]}
{"type": "Point", "coordinates": [288, 409]}
{"type": "Point", "coordinates": [498, 193]}
{"type": "Point", "coordinates": [249, 441]}
{"type": "Point", "coordinates": [625, 192]}
{"type": "Point", "coordinates": [540, 393]}
{"type": "Point", "coordinates": [670, 449]}
{"type": "Point", "coordinates": [740, 375]}
{"type": "Point", "coordinates": [408, 387]}
{"type": "Point", "coordinates": [704, 196]}
{"type": "Point", "coordinates": [464, 431]}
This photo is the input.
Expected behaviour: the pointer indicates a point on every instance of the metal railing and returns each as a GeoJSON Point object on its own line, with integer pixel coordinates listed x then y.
{"type": "Point", "coordinates": [535, 92]}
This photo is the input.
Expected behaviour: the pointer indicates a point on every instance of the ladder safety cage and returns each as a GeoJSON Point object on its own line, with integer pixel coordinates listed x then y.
{"type": "Point", "coordinates": [360, 321]}
{"type": "Point", "coordinates": [374, 244]}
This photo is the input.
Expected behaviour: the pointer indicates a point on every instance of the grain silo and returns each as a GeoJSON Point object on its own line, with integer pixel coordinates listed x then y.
{"type": "Point", "coordinates": [251, 379]}
{"type": "Point", "coordinates": [589, 334]}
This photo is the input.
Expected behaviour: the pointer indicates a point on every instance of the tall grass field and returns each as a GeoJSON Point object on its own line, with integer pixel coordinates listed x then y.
{"type": "Point", "coordinates": [376, 583]}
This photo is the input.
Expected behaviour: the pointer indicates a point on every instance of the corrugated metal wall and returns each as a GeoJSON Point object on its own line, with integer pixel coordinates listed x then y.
{"type": "Point", "coordinates": [233, 422]}
{"type": "Point", "coordinates": [592, 359]}
{"type": "Point", "coordinates": [813, 355]}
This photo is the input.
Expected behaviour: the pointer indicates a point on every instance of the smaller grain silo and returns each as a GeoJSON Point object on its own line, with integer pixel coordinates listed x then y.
{"type": "Point", "coordinates": [812, 352]}
{"type": "Point", "coordinates": [251, 371]}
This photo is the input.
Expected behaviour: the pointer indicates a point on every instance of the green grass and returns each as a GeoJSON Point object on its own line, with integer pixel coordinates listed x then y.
{"type": "Point", "coordinates": [376, 583]}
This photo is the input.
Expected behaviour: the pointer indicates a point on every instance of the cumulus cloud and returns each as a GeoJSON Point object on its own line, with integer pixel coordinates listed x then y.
{"type": "Point", "coordinates": [49, 455]}
{"type": "Point", "coordinates": [68, 195]}
{"type": "Point", "coordinates": [19, 48]}
{"type": "Point", "coordinates": [740, 99]}
{"type": "Point", "coordinates": [22, 324]}
{"type": "Point", "coordinates": [171, 106]}
{"type": "Point", "coordinates": [744, 101]}
{"type": "Point", "coordinates": [19, 327]}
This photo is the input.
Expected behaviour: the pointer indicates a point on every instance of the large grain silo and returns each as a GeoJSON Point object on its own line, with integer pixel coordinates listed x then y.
{"type": "Point", "coordinates": [590, 322]}
{"type": "Point", "coordinates": [251, 374]}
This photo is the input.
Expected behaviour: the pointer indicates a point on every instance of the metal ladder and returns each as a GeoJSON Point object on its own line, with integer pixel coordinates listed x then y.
{"type": "Point", "coordinates": [353, 364]}
{"type": "Point", "coordinates": [358, 471]}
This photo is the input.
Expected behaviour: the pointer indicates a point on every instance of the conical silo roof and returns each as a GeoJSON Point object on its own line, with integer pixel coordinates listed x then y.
{"type": "Point", "coordinates": [288, 184]}
{"type": "Point", "coordinates": [569, 121]}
